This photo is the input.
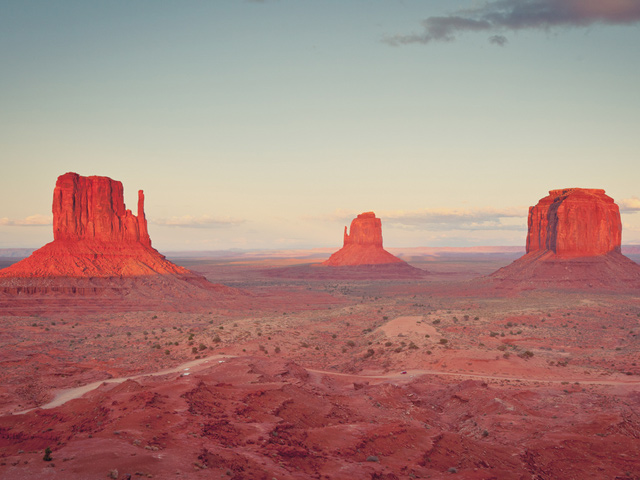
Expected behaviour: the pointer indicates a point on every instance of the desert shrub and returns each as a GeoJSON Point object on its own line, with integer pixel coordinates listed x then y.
{"type": "Point", "coordinates": [47, 455]}
{"type": "Point", "coordinates": [202, 346]}
{"type": "Point", "coordinates": [502, 348]}
{"type": "Point", "coordinates": [413, 346]}
{"type": "Point", "coordinates": [351, 343]}
{"type": "Point", "coordinates": [526, 354]}
{"type": "Point", "coordinates": [216, 339]}
{"type": "Point", "coordinates": [369, 353]}
{"type": "Point", "coordinates": [277, 350]}
{"type": "Point", "coordinates": [436, 321]}
{"type": "Point", "coordinates": [444, 341]}
{"type": "Point", "coordinates": [194, 350]}
{"type": "Point", "coordinates": [304, 345]}
{"type": "Point", "coordinates": [388, 344]}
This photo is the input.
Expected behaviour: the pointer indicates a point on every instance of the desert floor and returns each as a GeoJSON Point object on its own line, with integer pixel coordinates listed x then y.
{"type": "Point", "coordinates": [290, 374]}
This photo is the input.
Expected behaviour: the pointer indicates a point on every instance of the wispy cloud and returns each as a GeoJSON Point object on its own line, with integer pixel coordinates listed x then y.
{"type": "Point", "coordinates": [202, 221]}
{"type": "Point", "coordinates": [30, 221]}
{"type": "Point", "coordinates": [440, 218]}
{"type": "Point", "coordinates": [460, 219]}
{"type": "Point", "coordinates": [629, 205]}
{"type": "Point", "coordinates": [500, 15]}
{"type": "Point", "coordinates": [338, 215]}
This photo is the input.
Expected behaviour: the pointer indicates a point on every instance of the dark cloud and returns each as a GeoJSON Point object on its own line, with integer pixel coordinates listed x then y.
{"type": "Point", "coordinates": [499, 15]}
{"type": "Point", "coordinates": [499, 40]}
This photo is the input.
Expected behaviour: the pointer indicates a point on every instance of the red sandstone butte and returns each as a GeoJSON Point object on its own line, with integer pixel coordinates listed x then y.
{"type": "Point", "coordinates": [575, 222]}
{"type": "Point", "coordinates": [363, 244]}
{"type": "Point", "coordinates": [94, 235]}
{"type": "Point", "coordinates": [573, 241]}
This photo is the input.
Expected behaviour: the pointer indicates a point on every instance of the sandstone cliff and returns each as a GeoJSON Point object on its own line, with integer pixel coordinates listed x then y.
{"type": "Point", "coordinates": [575, 222]}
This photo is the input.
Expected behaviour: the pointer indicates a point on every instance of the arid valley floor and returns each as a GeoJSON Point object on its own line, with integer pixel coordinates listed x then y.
{"type": "Point", "coordinates": [298, 373]}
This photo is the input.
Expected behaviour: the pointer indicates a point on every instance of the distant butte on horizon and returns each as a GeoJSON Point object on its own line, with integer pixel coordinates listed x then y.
{"type": "Point", "coordinates": [95, 235]}
{"type": "Point", "coordinates": [362, 244]}
{"type": "Point", "coordinates": [573, 240]}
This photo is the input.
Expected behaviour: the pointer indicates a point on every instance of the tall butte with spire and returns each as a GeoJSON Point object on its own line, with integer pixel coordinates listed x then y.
{"type": "Point", "coordinates": [362, 244]}
{"type": "Point", "coordinates": [573, 240]}
{"type": "Point", "coordinates": [94, 235]}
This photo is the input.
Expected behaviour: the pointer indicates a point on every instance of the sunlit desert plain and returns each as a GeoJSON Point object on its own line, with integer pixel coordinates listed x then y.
{"type": "Point", "coordinates": [329, 378]}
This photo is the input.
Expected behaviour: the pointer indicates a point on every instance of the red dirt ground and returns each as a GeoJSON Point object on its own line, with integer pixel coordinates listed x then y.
{"type": "Point", "coordinates": [535, 384]}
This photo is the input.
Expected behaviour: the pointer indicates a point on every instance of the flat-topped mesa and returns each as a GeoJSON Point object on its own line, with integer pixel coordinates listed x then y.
{"type": "Point", "coordinates": [93, 209]}
{"type": "Point", "coordinates": [362, 244]}
{"type": "Point", "coordinates": [575, 222]}
{"type": "Point", "coordinates": [573, 242]}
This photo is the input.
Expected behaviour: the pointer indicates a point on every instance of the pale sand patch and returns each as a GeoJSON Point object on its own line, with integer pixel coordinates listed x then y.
{"type": "Point", "coordinates": [407, 326]}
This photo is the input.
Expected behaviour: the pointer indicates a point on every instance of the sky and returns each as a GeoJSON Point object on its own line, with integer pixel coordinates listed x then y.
{"type": "Point", "coordinates": [271, 124]}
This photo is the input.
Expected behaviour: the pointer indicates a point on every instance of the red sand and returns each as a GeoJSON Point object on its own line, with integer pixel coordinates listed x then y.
{"type": "Point", "coordinates": [536, 384]}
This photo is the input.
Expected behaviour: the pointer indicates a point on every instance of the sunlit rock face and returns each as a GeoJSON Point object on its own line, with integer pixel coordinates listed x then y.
{"type": "Point", "coordinates": [575, 222]}
{"type": "Point", "coordinates": [94, 235]}
{"type": "Point", "coordinates": [362, 244]}
{"type": "Point", "coordinates": [93, 209]}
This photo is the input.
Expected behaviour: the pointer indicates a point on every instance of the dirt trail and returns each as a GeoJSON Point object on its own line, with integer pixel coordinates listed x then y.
{"type": "Point", "coordinates": [63, 396]}
{"type": "Point", "coordinates": [480, 376]}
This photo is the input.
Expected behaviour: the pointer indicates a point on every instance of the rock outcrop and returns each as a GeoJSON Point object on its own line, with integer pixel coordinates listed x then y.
{"type": "Point", "coordinates": [573, 242]}
{"type": "Point", "coordinates": [92, 209]}
{"type": "Point", "coordinates": [362, 244]}
{"type": "Point", "coordinates": [575, 222]}
{"type": "Point", "coordinates": [94, 235]}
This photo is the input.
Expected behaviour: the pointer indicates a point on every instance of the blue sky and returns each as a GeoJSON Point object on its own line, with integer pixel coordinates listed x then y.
{"type": "Point", "coordinates": [270, 124]}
